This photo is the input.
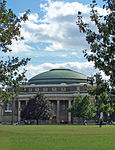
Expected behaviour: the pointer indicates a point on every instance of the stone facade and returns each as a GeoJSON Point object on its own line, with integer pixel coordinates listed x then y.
{"type": "Point", "coordinates": [60, 96]}
{"type": "Point", "coordinates": [60, 87]}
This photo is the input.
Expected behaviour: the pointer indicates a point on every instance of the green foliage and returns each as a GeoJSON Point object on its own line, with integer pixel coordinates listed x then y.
{"type": "Point", "coordinates": [102, 100]}
{"type": "Point", "coordinates": [37, 109]}
{"type": "Point", "coordinates": [10, 26]}
{"type": "Point", "coordinates": [100, 87]}
{"type": "Point", "coordinates": [102, 104]}
{"type": "Point", "coordinates": [82, 108]}
{"type": "Point", "coordinates": [10, 74]}
{"type": "Point", "coordinates": [101, 43]}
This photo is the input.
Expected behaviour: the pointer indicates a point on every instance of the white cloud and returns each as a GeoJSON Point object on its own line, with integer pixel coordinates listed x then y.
{"type": "Point", "coordinates": [56, 30]}
{"type": "Point", "coordinates": [58, 26]}
{"type": "Point", "coordinates": [63, 55]}
{"type": "Point", "coordinates": [104, 76]}
{"type": "Point", "coordinates": [83, 67]}
{"type": "Point", "coordinates": [33, 17]}
{"type": "Point", "coordinates": [74, 53]}
{"type": "Point", "coordinates": [54, 46]}
{"type": "Point", "coordinates": [21, 47]}
{"type": "Point", "coordinates": [59, 8]}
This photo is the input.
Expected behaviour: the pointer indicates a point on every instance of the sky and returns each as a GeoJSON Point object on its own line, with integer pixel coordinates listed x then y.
{"type": "Point", "coordinates": [51, 36]}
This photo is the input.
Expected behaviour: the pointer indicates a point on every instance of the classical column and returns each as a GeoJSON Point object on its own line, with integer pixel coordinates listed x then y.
{"type": "Point", "coordinates": [19, 110]}
{"type": "Point", "coordinates": [58, 110]}
{"type": "Point", "coordinates": [26, 102]}
{"type": "Point", "coordinates": [69, 113]}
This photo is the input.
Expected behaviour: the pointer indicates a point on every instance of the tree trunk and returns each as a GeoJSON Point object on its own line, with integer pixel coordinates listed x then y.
{"type": "Point", "coordinates": [37, 121]}
{"type": "Point", "coordinates": [80, 121]}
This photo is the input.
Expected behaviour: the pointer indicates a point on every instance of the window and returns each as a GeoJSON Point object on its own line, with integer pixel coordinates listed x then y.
{"type": "Point", "coordinates": [54, 107]}
{"type": "Point", "coordinates": [63, 89]}
{"type": "Point", "coordinates": [45, 89]}
{"type": "Point", "coordinates": [8, 107]}
{"type": "Point", "coordinates": [78, 88]}
{"type": "Point", "coordinates": [30, 89]}
{"type": "Point", "coordinates": [54, 89]}
{"type": "Point", "coordinates": [37, 89]}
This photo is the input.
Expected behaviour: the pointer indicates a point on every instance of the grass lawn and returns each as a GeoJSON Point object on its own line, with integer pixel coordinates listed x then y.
{"type": "Point", "coordinates": [54, 137]}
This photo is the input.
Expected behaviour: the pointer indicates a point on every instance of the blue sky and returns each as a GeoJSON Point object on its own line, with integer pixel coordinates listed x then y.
{"type": "Point", "coordinates": [51, 37]}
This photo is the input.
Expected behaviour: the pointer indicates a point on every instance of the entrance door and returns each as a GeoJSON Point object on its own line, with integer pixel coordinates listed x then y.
{"type": "Point", "coordinates": [54, 119]}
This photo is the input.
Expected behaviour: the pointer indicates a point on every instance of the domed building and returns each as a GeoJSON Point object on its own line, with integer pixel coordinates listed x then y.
{"type": "Point", "coordinates": [58, 76]}
{"type": "Point", "coordinates": [59, 86]}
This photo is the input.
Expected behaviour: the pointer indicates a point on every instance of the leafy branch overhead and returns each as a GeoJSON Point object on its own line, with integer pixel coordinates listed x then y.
{"type": "Point", "coordinates": [102, 47]}
{"type": "Point", "coordinates": [10, 26]}
{"type": "Point", "coordinates": [10, 67]}
{"type": "Point", "coordinates": [10, 74]}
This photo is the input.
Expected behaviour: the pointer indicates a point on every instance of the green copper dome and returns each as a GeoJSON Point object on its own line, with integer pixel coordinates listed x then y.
{"type": "Point", "coordinates": [58, 76]}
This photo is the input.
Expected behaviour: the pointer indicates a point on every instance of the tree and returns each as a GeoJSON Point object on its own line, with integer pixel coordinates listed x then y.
{"type": "Point", "coordinates": [10, 26]}
{"type": "Point", "coordinates": [102, 100]}
{"type": "Point", "coordinates": [82, 107]}
{"type": "Point", "coordinates": [101, 43]}
{"type": "Point", "coordinates": [36, 109]}
{"type": "Point", "coordinates": [10, 74]}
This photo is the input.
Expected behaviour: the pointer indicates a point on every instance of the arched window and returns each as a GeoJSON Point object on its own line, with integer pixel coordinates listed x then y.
{"type": "Point", "coordinates": [54, 89]}
{"type": "Point", "coordinates": [37, 89]}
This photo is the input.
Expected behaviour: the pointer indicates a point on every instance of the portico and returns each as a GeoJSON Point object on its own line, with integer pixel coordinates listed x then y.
{"type": "Point", "coordinates": [59, 104]}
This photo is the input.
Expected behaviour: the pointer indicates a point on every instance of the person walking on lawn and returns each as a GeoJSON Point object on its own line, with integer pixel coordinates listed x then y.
{"type": "Point", "coordinates": [100, 122]}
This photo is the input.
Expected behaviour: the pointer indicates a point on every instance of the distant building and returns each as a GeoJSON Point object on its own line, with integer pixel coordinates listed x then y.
{"type": "Point", "coordinates": [59, 86]}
